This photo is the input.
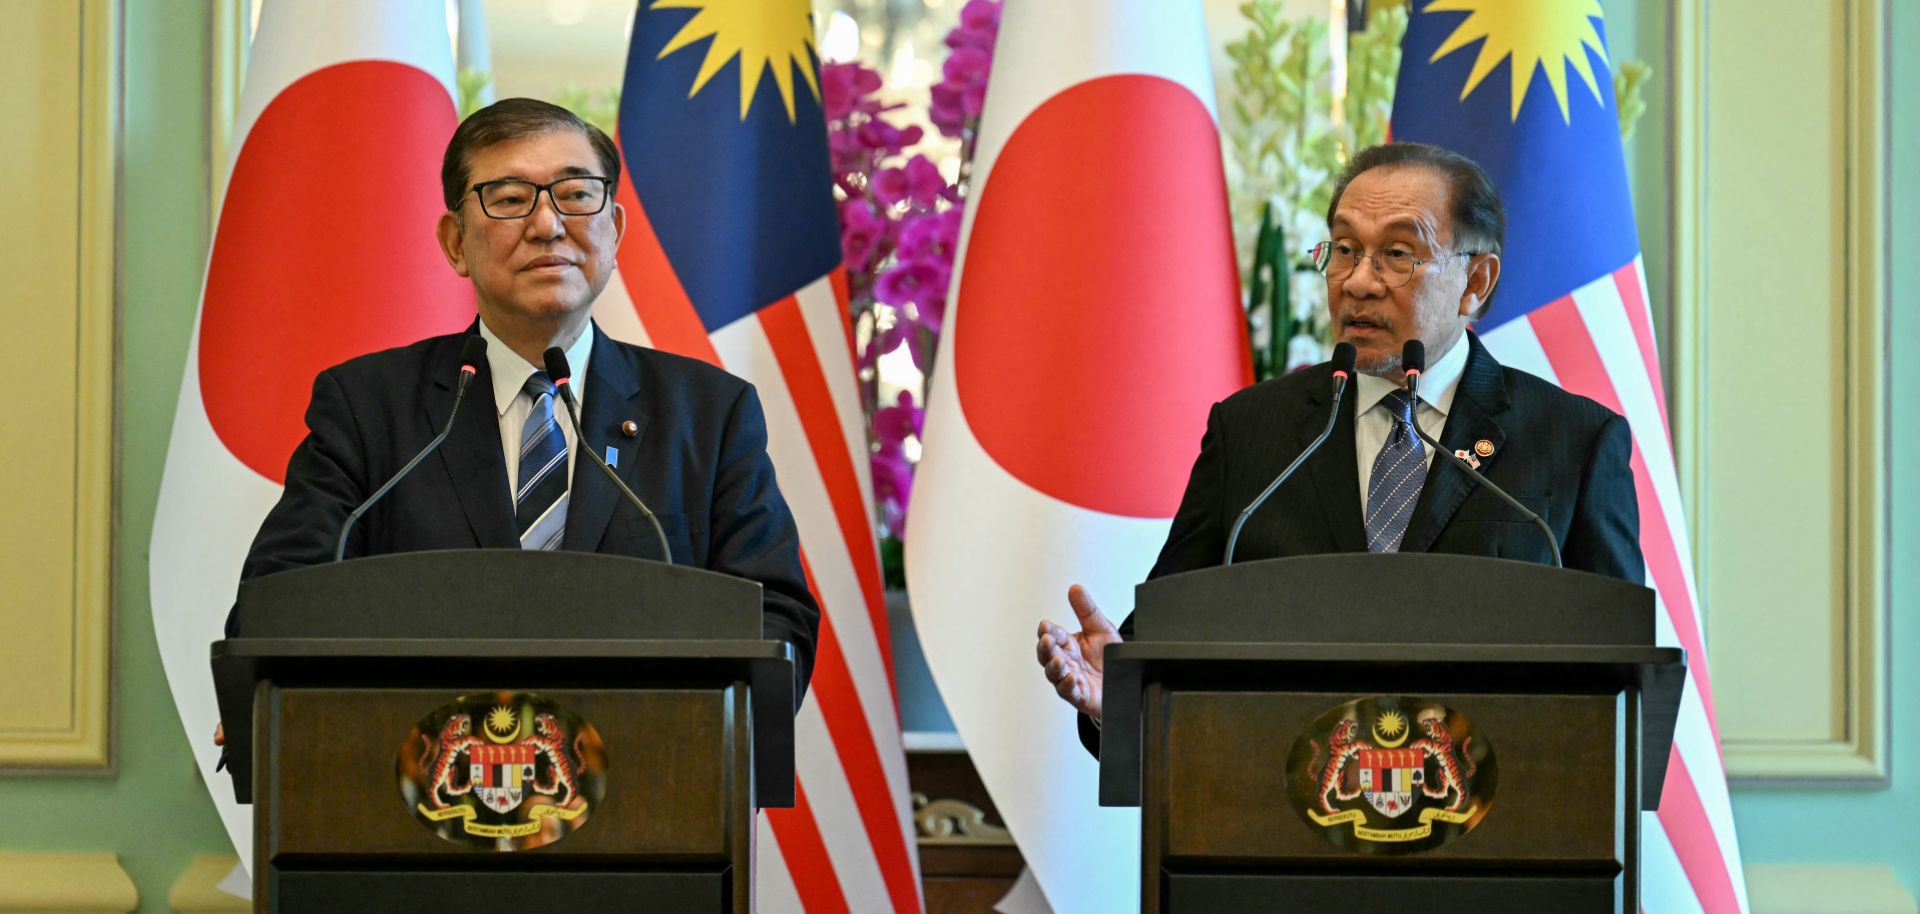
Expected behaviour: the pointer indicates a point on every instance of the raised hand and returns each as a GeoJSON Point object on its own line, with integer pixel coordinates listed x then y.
{"type": "Point", "coordinates": [1073, 660]}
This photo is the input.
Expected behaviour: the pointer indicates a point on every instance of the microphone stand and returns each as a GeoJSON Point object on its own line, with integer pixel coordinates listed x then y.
{"type": "Point", "coordinates": [1343, 357]}
{"type": "Point", "coordinates": [1413, 393]}
{"type": "Point", "coordinates": [475, 349]}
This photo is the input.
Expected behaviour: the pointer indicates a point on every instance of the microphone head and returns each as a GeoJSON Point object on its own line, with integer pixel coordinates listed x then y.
{"type": "Point", "coordinates": [1413, 357]}
{"type": "Point", "coordinates": [1343, 358]}
{"type": "Point", "coordinates": [557, 370]}
{"type": "Point", "coordinates": [471, 352]}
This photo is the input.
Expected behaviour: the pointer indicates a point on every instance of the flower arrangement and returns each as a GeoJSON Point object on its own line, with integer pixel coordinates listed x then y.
{"type": "Point", "coordinates": [1284, 147]}
{"type": "Point", "coordinates": [900, 227]}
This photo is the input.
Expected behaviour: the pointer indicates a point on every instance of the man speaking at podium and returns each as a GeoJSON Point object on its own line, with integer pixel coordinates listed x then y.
{"type": "Point", "coordinates": [531, 222]}
{"type": "Point", "coordinates": [1414, 254]}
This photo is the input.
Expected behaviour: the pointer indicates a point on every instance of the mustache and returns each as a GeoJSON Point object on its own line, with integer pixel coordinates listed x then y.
{"type": "Point", "coordinates": [1375, 320]}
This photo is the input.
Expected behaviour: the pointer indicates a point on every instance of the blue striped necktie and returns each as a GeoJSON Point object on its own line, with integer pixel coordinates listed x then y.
{"type": "Point", "coordinates": [540, 495]}
{"type": "Point", "coordinates": [1398, 473]}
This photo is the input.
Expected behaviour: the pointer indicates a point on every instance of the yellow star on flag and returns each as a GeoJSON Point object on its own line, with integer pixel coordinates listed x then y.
{"type": "Point", "coordinates": [1550, 35]}
{"type": "Point", "coordinates": [767, 35]}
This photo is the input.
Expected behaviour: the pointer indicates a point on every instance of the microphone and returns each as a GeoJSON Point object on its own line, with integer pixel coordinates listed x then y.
{"type": "Point", "coordinates": [556, 359]}
{"type": "Point", "coordinates": [1413, 360]}
{"type": "Point", "coordinates": [471, 352]}
{"type": "Point", "coordinates": [1343, 358]}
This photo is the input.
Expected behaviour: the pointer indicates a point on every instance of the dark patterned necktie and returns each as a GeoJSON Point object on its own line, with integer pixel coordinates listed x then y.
{"type": "Point", "coordinates": [540, 495]}
{"type": "Point", "coordinates": [1399, 471]}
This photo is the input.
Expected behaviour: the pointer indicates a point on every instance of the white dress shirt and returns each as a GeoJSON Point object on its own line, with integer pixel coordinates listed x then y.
{"type": "Point", "coordinates": [1373, 422]}
{"type": "Point", "coordinates": [510, 373]}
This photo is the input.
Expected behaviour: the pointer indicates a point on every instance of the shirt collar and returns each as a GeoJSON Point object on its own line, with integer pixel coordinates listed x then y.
{"type": "Point", "coordinates": [1437, 383]}
{"type": "Point", "coordinates": [510, 372]}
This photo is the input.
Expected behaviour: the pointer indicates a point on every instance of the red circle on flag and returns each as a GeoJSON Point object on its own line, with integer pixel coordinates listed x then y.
{"type": "Point", "coordinates": [325, 248]}
{"type": "Point", "coordinates": [1099, 310]}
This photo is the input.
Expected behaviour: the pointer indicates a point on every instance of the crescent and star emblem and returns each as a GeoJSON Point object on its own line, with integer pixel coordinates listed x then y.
{"type": "Point", "coordinates": [1388, 726]}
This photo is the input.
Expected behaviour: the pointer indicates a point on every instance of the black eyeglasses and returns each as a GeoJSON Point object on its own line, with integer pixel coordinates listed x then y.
{"type": "Point", "coordinates": [511, 198]}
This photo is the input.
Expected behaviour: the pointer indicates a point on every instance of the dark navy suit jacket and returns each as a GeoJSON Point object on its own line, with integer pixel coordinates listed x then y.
{"type": "Point", "coordinates": [1565, 457]}
{"type": "Point", "coordinates": [699, 461]}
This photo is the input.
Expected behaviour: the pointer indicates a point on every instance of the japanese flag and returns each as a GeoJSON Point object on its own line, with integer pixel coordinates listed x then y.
{"type": "Point", "coordinates": [1094, 318]}
{"type": "Point", "coordinates": [324, 250]}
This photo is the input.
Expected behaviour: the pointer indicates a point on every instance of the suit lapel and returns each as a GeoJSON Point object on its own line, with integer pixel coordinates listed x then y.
{"type": "Point", "coordinates": [1336, 468]}
{"type": "Point", "coordinates": [612, 398]}
{"type": "Point", "coordinates": [1481, 396]}
{"type": "Point", "coordinates": [471, 453]}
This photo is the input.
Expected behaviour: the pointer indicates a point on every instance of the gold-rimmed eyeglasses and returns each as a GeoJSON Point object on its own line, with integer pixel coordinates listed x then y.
{"type": "Point", "coordinates": [1394, 264]}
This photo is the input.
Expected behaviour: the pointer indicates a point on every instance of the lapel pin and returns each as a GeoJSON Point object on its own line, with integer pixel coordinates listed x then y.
{"type": "Point", "coordinates": [630, 428]}
{"type": "Point", "coordinates": [1467, 456]}
{"type": "Point", "coordinates": [1483, 447]}
{"type": "Point", "coordinates": [613, 456]}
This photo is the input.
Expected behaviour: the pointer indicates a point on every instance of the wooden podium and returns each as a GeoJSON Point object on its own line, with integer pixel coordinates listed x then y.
{"type": "Point", "coordinates": [1272, 721]}
{"type": "Point", "coordinates": [336, 669]}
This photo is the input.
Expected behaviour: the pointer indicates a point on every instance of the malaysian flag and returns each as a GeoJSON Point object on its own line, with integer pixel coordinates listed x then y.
{"type": "Point", "coordinates": [1525, 88]}
{"type": "Point", "coordinates": [732, 255]}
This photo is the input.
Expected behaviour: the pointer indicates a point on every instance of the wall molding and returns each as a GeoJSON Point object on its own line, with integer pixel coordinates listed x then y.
{"type": "Point", "coordinates": [1688, 212]}
{"type": "Point", "coordinates": [1824, 623]}
{"type": "Point", "coordinates": [65, 883]}
{"type": "Point", "coordinates": [79, 91]}
{"type": "Point", "coordinates": [1804, 889]}
{"type": "Point", "coordinates": [230, 24]}
{"type": "Point", "coordinates": [197, 890]}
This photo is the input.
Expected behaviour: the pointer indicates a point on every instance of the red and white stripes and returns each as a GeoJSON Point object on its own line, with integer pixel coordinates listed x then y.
{"type": "Point", "coordinates": [847, 845]}
{"type": "Point", "coordinates": [1598, 342]}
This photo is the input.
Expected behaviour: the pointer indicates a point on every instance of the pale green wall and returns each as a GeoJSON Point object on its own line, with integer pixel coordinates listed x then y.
{"type": "Point", "coordinates": [1838, 826]}
{"type": "Point", "coordinates": [1877, 826]}
{"type": "Point", "coordinates": [153, 811]}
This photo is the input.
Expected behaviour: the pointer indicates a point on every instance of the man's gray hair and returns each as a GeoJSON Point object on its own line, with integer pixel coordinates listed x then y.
{"type": "Point", "coordinates": [1479, 221]}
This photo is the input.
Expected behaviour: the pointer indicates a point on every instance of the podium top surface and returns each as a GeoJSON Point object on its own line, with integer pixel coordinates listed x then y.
{"type": "Point", "coordinates": [499, 593]}
{"type": "Point", "coordinates": [1411, 597]}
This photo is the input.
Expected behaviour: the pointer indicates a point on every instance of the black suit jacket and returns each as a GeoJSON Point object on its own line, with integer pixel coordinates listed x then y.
{"type": "Point", "coordinates": [699, 461]}
{"type": "Point", "coordinates": [1564, 456]}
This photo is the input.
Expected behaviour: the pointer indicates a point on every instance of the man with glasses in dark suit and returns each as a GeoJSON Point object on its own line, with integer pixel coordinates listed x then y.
{"type": "Point", "coordinates": [531, 222]}
{"type": "Point", "coordinates": [1414, 253]}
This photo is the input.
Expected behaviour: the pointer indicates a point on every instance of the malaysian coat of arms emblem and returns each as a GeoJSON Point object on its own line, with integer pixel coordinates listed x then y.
{"type": "Point", "coordinates": [1391, 775]}
{"type": "Point", "coordinates": [502, 771]}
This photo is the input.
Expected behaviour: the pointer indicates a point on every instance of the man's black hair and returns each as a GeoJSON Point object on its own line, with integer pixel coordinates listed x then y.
{"type": "Point", "coordinates": [511, 119]}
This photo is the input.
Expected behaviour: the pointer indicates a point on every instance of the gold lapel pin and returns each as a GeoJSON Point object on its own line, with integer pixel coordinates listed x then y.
{"type": "Point", "coordinates": [631, 428]}
{"type": "Point", "coordinates": [1483, 447]}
